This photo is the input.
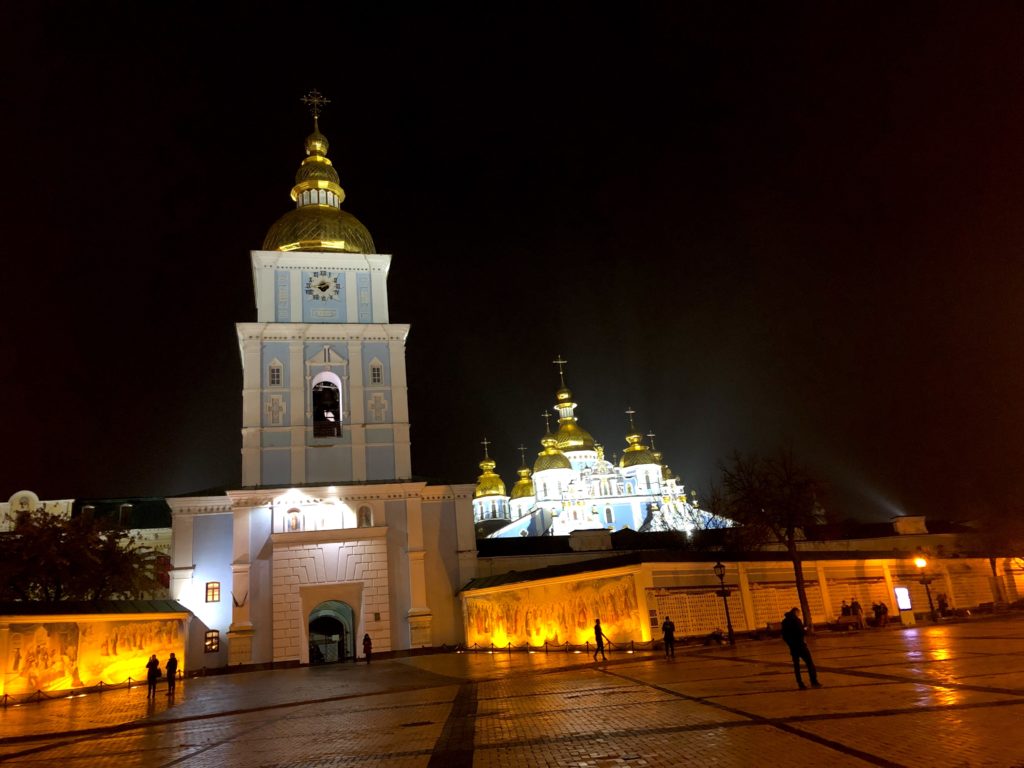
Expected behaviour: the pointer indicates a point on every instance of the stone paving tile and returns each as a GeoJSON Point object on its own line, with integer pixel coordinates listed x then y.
{"type": "Point", "coordinates": [957, 738]}
{"type": "Point", "coordinates": [837, 699]}
{"type": "Point", "coordinates": [747, 746]}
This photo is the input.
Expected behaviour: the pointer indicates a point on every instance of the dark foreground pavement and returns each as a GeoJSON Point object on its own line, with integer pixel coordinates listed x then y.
{"type": "Point", "coordinates": [950, 695]}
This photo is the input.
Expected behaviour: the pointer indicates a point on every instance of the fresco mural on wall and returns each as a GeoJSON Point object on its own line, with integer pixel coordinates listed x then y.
{"type": "Point", "coordinates": [562, 612]}
{"type": "Point", "coordinates": [56, 656]}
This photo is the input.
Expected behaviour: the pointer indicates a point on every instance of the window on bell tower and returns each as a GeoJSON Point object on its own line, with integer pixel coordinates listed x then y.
{"type": "Point", "coordinates": [376, 372]}
{"type": "Point", "coordinates": [274, 376]}
{"type": "Point", "coordinates": [326, 405]}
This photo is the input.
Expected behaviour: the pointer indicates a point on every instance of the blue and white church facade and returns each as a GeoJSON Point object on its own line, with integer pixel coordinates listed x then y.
{"type": "Point", "coordinates": [329, 537]}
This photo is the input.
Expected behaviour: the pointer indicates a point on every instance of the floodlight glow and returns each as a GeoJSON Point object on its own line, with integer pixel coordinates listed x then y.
{"type": "Point", "coordinates": [920, 562]}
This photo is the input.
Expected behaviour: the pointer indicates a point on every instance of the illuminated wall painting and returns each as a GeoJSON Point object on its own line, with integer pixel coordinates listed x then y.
{"type": "Point", "coordinates": [556, 613]}
{"type": "Point", "coordinates": [56, 656]}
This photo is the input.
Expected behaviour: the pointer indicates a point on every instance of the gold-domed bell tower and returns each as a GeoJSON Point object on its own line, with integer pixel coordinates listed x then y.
{"type": "Point", "coordinates": [490, 502]}
{"type": "Point", "coordinates": [325, 394]}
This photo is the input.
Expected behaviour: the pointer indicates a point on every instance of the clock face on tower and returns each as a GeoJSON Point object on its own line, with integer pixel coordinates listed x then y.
{"type": "Point", "coordinates": [322, 285]}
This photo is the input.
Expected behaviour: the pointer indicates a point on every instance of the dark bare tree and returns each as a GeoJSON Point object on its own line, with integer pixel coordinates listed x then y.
{"type": "Point", "coordinates": [770, 498]}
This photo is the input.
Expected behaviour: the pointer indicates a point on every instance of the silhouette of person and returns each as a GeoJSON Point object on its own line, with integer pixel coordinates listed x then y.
{"type": "Point", "coordinates": [367, 647]}
{"type": "Point", "coordinates": [599, 638]}
{"type": "Point", "coordinates": [668, 629]}
{"type": "Point", "coordinates": [152, 675]}
{"type": "Point", "coordinates": [172, 674]}
{"type": "Point", "coordinates": [793, 634]}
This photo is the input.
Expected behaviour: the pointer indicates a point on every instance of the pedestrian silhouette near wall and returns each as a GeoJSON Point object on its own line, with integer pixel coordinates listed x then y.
{"type": "Point", "coordinates": [857, 611]}
{"type": "Point", "coordinates": [668, 629]}
{"type": "Point", "coordinates": [152, 675]}
{"type": "Point", "coordinates": [793, 634]}
{"type": "Point", "coordinates": [172, 674]}
{"type": "Point", "coordinates": [599, 638]}
{"type": "Point", "coordinates": [367, 647]}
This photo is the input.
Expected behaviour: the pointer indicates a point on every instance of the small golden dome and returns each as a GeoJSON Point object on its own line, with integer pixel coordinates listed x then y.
{"type": "Point", "coordinates": [550, 457]}
{"type": "Point", "coordinates": [636, 453]}
{"type": "Point", "coordinates": [524, 485]}
{"type": "Point", "coordinates": [316, 142]}
{"type": "Point", "coordinates": [488, 484]}
{"type": "Point", "coordinates": [634, 458]}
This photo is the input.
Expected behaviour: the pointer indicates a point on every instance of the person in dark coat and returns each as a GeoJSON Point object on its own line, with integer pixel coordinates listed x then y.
{"type": "Point", "coordinates": [172, 674]}
{"type": "Point", "coordinates": [668, 629]}
{"type": "Point", "coordinates": [152, 675]}
{"type": "Point", "coordinates": [793, 634]}
{"type": "Point", "coordinates": [367, 647]}
{"type": "Point", "coordinates": [599, 638]}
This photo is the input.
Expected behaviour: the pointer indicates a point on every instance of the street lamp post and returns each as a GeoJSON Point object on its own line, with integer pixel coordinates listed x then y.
{"type": "Point", "coordinates": [926, 580]}
{"type": "Point", "coordinates": [720, 573]}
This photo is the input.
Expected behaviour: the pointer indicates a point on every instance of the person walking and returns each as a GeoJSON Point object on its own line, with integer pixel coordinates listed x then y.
{"type": "Point", "coordinates": [172, 674]}
{"type": "Point", "coordinates": [599, 638]}
{"type": "Point", "coordinates": [367, 647]}
{"type": "Point", "coordinates": [668, 629]}
{"type": "Point", "coordinates": [793, 634]}
{"type": "Point", "coordinates": [152, 675]}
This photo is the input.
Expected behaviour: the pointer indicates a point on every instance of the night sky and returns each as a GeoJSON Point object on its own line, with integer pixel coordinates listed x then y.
{"type": "Point", "coordinates": [759, 226]}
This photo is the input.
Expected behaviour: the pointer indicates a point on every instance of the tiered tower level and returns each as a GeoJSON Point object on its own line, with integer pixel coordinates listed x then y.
{"type": "Point", "coordinates": [573, 487]}
{"type": "Point", "coordinates": [324, 382]}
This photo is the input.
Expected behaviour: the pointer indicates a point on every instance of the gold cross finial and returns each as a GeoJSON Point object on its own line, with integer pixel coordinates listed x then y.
{"type": "Point", "coordinates": [485, 442]}
{"type": "Point", "coordinates": [547, 422]}
{"type": "Point", "coordinates": [522, 453]}
{"type": "Point", "coordinates": [560, 362]}
{"type": "Point", "coordinates": [315, 101]}
{"type": "Point", "coordinates": [650, 435]}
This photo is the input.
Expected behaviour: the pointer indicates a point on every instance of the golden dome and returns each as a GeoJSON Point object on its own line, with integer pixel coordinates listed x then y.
{"type": "Point", "coordinates": [524, 485]}
{"type": "Point", "coordinates": [634, 458]}
{"type": "Point", "coordinates": [318, 228]}
{"type": "Point", "coordinates": [550, 457]}
{"type": "Point", "coordinates": [318, 223]}
{"type": "Point", "coordinates": [488, 484]}
{"type": "Point", "coordinates": [636, 453]}
{"type": "Point", "coordinates": [572, 437]}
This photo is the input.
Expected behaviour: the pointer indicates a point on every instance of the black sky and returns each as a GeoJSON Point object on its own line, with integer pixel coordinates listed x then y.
{"type": "Point", "coordinates": [762, 225]}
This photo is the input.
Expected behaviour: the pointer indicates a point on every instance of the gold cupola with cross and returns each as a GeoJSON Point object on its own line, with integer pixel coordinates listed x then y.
{"type": "Point", "coordinates": [635, 453]}
{"type": "Point", "coordinates": [318, 223]}
{"type": "Point", "coordinates": [570, 436]}
{"type": "Point", "coordinates": [489, 483]}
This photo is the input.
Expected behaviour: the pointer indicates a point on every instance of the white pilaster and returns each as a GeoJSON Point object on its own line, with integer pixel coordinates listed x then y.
{"type": "Point", "coordinates": [357, 396]}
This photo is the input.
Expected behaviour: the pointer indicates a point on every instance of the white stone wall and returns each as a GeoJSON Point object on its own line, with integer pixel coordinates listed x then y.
{"type": "Point", "coordinates": [354, 572]}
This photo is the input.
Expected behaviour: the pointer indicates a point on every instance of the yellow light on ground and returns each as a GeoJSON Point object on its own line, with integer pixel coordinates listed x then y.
{"type": "Point", "coordinates": [920, 562]}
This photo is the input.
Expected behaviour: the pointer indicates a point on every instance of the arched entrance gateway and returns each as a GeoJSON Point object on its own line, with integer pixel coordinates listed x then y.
{"type": "Point", "coordinates": [331, 633]}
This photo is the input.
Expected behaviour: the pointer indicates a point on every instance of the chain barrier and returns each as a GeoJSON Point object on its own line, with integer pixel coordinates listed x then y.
{"type": "Point", "coordinates": [7, 700]}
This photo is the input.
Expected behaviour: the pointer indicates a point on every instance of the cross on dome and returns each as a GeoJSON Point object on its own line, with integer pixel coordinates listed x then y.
{"type": "Point", "coordinates": [560, 362]}
{"type": "Point", "coordinates": [316, 102]}
{"type": "Point", "coordinates": [485, 442]}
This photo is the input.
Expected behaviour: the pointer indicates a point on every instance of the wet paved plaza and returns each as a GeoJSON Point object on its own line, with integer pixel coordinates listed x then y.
{"type": "Point", "coordinates": [950, 695]}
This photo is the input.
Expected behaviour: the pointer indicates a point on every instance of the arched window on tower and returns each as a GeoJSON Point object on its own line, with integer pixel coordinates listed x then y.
{"type": "Point", "coordinates": [326, 405]}
{"type": "Point", "coordinates": [608, 517]}
{"type": "Point", "coordinates": [365, 517]}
